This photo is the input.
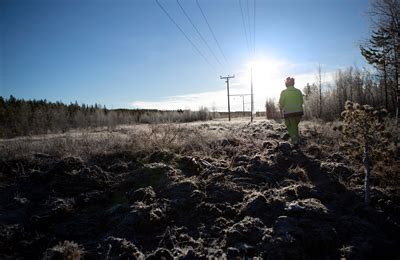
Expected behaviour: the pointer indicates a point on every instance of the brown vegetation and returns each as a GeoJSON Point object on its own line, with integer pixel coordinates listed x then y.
{"type": "Point", "coordinates": [213, 189]}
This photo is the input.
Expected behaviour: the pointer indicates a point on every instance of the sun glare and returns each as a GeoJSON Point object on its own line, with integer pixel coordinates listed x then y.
{"type": "Point", "coordinates": [268, 75]}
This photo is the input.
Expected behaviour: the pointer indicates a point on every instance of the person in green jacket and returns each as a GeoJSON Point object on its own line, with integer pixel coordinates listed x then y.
{"type": "Point", "coordinates": [291, 104]}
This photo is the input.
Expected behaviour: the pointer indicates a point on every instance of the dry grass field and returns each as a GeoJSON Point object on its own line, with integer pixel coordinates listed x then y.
{"type": "Point", "coordinates": [212, 189]}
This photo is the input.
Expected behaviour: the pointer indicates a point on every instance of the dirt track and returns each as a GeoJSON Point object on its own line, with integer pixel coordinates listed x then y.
{"type": "Point", "coordinates": [265, 200]}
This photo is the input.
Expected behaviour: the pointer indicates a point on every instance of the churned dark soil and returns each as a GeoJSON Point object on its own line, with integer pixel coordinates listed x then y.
{"type": "Point", "coordinates": [275, 202]}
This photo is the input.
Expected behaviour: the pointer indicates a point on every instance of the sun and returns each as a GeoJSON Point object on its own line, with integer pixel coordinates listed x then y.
{"type": "Point", "coordinates": [267, 75]}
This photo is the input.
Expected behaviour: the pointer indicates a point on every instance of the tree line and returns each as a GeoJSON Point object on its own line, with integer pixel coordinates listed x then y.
{"type": "Point", "coordinates": [354, 84]}
{"type": "Point", "coordinates": [19, 117]}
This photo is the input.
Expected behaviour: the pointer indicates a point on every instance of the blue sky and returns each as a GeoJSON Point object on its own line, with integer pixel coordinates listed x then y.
{"type": "Point", "coordinates": [127, 53]}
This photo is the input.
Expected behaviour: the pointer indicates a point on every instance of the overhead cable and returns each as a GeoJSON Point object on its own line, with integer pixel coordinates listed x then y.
{"type": "Point", "coordinates": [244, 25]}
{"type": "Point", "coordinates": [198, 32]}
{"type": "Point", "coordinates": [212, 32]}
{"type": "Point", "coordinates": [184, 34]}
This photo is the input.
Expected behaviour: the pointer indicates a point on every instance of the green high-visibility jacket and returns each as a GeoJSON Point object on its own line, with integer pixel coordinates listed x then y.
{"type": "Point", "coordinates": [291, 101]}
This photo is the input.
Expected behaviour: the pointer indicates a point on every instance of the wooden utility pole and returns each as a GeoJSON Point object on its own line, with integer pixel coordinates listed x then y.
{"type": "Point", "coordinates": [243, 104]}
{"type": "Point", "coordinates": [227, 87]}
{"type": "Point", "coordinates": [242, 96]}
{"type": "Point", "coordinates": [320, 90]}
{"type": "Point", "coordinates": [252, 100]}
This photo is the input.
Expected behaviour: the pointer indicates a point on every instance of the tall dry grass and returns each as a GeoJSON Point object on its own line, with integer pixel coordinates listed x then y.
{"type": "Point", "coordinates": [178, 138]}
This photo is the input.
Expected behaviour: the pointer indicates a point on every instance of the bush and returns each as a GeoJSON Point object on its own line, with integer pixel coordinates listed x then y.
{"type": "Point", "coordinates": [365, 138]}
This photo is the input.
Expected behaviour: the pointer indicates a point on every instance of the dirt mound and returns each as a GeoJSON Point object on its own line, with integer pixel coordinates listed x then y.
{"type": "Point", "coordinates": [266, 199]}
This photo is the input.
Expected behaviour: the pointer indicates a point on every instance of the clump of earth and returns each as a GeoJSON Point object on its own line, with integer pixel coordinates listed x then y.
{"type": "Point", "coordinates": [276, 202]}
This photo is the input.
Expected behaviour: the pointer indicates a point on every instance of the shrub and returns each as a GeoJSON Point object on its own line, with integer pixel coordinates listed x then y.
{"type": "Point", "coordinates": [365, 138]}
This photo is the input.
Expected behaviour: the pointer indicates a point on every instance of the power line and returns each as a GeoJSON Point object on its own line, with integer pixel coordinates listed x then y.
{"type": "Point", "coordinates": [244, 25]}
{"type": "Point", "coordinates": [249, 24]}
{"type": "Point", "coordinates": [212, 32]}
{"type": "Point", "coordinates": [198, 32]}
{"type": "Point", "coordinates": [254, 28]}
{"type": "Point", "coordinates": [184, 34]}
